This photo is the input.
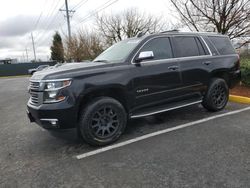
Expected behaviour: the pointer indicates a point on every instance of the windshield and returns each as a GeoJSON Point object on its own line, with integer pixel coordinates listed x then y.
{"type": "Point", "coordinates": [118, 52]}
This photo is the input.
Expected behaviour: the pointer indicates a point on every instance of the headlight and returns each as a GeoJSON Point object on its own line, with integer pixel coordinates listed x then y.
{"type": "Point", "coordinates": [52, 88]}
{"type": "Point", "coordinates": [55, 85]}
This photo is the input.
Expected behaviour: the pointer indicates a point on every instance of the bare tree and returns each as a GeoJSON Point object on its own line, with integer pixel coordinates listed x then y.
{"type": "Point", "coordinates": [116, 27]}
{"type": "Point", "coordinates": [231, 17]}
{"type": "Point", "coordinates": [83, 46]}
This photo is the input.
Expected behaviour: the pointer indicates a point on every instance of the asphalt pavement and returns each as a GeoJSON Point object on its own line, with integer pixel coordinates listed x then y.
{"type": "Point", "coordinates": [214, 153]}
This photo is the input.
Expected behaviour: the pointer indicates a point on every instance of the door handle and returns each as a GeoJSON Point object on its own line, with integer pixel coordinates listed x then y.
{"type": "Point", "coordinates": [173, 67]}
{"type": "Point", "coordinates": [206, 63]}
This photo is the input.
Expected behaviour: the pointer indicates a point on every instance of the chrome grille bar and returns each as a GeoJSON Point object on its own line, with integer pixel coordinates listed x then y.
{"type": "Point", "coordinates": [35, 94]}
{"type": "Point", "coordinates": [34, 85]}
{"type": "Point", "coordinates": [34, 97]}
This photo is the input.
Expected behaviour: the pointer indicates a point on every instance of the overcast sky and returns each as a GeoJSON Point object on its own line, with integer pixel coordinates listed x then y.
{"type": "Point", "coordinates": [18, 18]}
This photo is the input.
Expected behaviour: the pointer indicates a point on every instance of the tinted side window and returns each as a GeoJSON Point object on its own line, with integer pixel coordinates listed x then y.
{"type": "Point", "coordinates": [161, 48]}
{"type": "Point", "coordinates": [211, 46]}
{"type": "Point", "coordinates": [186, 46]}
{"type": "Point", "coordinates": [223, 45]}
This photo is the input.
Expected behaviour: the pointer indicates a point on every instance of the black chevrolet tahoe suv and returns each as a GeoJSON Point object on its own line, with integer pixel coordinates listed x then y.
{"type": "Point", "coordinates": [134, 78]}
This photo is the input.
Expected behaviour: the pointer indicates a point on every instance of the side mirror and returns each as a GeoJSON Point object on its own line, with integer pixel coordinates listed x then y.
{"type": "Point", "coordinates": [144, 55]}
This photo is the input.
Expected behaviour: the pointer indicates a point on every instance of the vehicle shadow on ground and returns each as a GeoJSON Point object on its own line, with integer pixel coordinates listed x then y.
{"type": "Point", "coordinates": [166, 120]}
{"type": "Point", "coordinates": [138, 127]}
{"type": "Point", "coordinates": [135, 128]}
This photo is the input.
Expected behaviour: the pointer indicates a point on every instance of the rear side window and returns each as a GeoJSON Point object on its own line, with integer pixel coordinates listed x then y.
{"type": "Point", "coordinates": [186, 46]}
{"type": "Point", "coordinates": [223, 45]}
{"type": "Point", "coordinates": [161, 48]}
{"type": "Point", "coordinates": [211, 46]}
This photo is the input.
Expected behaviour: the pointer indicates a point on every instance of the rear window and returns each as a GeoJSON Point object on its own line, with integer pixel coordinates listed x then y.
{"type": "Point", "coordinates": [186, 46]}
{"type": "Point", "coordinates": [223, 45]}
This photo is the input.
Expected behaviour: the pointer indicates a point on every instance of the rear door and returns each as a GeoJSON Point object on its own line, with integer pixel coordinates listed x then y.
{"type": "Point", "coordinates": [195, 63]}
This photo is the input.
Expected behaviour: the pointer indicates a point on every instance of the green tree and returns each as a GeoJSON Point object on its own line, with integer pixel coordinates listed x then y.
{"type": "Point", "coordinates": [57, 51]}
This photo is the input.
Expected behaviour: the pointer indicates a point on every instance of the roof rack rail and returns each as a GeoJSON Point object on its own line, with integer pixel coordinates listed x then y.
{"type": "Point", "coordinates": [169, 31]}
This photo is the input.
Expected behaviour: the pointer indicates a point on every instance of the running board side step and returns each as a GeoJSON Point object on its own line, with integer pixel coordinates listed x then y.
{"type": "Point", "coordinates": [162, 109]}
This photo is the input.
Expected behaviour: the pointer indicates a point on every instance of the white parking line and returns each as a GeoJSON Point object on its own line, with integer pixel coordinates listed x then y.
{"type": "Point", "coordinates": [101, 150]}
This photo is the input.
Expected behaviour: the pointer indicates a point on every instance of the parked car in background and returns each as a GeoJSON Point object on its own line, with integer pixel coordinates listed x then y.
{"type": "Point", "coordinates": [39, 68]}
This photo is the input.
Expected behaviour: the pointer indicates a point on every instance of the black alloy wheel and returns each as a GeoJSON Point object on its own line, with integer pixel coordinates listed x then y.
{"type": "Point", "coordinates": [217, 95]}
{"type": "Point", "coordinates": [102, 121]}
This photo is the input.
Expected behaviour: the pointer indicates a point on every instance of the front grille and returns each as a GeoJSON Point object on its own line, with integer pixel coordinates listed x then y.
{"type": "Point", "coordinates": [34, 98]}
{"type": "Point", "coordinates": [35, 95]}
{"type": "Point", "coordinates": [34, 85]}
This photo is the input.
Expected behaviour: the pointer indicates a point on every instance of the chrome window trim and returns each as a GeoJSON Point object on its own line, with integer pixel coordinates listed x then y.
{"type": "Point", "coordinates": [173, 58]}
{"type": "Point", "coordinates": [170, 60]}
{"type": "Point", "coordinates": [206, 45]}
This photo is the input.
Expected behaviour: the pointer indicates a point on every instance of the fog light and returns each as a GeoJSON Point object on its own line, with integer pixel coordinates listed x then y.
{"type": "Point", "coordinates": [53, 122]}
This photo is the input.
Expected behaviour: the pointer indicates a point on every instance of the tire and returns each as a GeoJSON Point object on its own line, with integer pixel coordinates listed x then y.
{"type": "Point", "coordinates": [217, 95]}
{"type": "Point", "coordinates": [102, 121]}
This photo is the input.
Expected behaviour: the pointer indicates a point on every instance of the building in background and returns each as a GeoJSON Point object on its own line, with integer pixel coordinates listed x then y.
{"type": "Point", "coordinates": [8, 61]}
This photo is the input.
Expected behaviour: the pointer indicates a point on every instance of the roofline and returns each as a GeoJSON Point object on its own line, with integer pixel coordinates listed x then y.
{"type": "Point", "coordinates": [171, 33]}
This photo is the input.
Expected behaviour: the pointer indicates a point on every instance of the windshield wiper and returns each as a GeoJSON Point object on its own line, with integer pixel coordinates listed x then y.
{"type": "Point", "coordinates": [102, 60]}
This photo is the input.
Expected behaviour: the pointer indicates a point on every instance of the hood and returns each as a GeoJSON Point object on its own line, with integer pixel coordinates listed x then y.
{"type": "Point", "coordinates": [63, 68]}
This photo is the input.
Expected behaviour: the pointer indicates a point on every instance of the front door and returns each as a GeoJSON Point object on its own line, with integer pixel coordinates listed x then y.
{"type": "Point", "coordinates": [157, 80]}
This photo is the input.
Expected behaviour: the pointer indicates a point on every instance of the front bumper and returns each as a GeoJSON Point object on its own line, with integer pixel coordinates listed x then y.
{"type": "Point", "coordinates": [53, 116]}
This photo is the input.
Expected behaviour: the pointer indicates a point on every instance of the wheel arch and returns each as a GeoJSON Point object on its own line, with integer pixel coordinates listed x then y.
{"type": "Point", "coordinates": [117, 92]}
{"type": "Point", "coordinates": [223, 75]}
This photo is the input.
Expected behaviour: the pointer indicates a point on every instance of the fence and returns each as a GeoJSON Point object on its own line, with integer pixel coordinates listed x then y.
{"type": "Point", "coordinates": [20, 69]}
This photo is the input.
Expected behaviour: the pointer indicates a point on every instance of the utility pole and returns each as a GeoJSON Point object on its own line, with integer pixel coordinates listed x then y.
{"type": "Point", "coordinates": [34, 50]}
{"type": "Point", "coordinates": [68, 17]}
{"type": "Point", "coordinates": [27, 56]}
{"type": "Point", "coordinates": [68, 21]}
{"type": "Point", "coordinates": [23, 58]}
